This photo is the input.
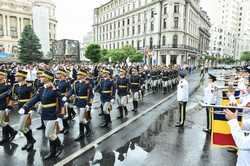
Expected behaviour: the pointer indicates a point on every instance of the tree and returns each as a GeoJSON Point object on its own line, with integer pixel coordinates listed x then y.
{"type": "Point", "coordinates": [29, 46]}
{"type": "Point", "coordinates": [138, 57]}
{"type": "Point", "coordinates": [245, 56]}
{"type": "Point", "coordinates": [93, 53]}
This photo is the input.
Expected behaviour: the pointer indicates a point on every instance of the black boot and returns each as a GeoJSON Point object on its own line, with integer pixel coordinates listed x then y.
{"type": "Point", "coordinates": [106, 121]}
{"type": "Point", "coordinates": [65, 127]}
{"type": "Point", "coordinates": [101, 113]}
{"type": "Point", "coordinates": [109, 118]}
{"type": "Point", "coordinates": [120, 112]}
{"type": "Point", "coordinates": [135, 105]}
{"type": "Point", "coordinates": [11, 132]}
{"type": "Point", "coordinates": [4, 135]}
{"type": "Point", "coordinates": [31, 141]}
{"type": "Point", "coordinates": [25, 146]}
{"type": "Point", "coordinates": [126, 110]}
{"type": "Point", "coordinates": [42, 127]}
{"type": "Point", "coordinates": [81, 132]}
{"type": "Point", "coordinates": [164, 90]}
{"type": "Point", "coordinates": [88, 130]}
{"type": "Point", "coordinates": [58, 147]}
{"type": "Point", "coordinates": [52, 152]}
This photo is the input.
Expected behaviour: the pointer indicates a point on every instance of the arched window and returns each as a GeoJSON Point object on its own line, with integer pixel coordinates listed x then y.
{"type": "Point", "coordinates": [164, 40]}
{"type": "Point", "coordinates": [175, 41]}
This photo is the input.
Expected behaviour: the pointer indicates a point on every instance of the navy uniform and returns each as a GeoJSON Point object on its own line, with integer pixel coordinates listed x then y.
{"type": "Point", "coordinates": [22, 92]}
{"type": "Point", "coordinates": [165, 79]}
{"type": "Point", "coordinates": [154, 80]}
{"type": "Point", "coordinates": [51, 102]}
{"type": "Point", "coordinates": [122, 87]}
{"type": "Point", "coordinates": [81, 89]}
{"type": "Point", "coordinates": [63, 86]}
{"type": "Point", "coordinates": [107, 92]}
{"type": "Point", "coordinates": [5, 92]}
{"type": "Point", "coordinates": [38, 84]}
{"type": "Point", "coordinates": [135, 86]}
{"type": "Point", "coordinates": [143, 76]}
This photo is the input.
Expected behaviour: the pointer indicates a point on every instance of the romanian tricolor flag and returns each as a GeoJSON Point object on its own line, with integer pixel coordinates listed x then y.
{"type": "Point", "coordinates": [225, 100]}
{"type": "Point", "coordinates": [221, 133]}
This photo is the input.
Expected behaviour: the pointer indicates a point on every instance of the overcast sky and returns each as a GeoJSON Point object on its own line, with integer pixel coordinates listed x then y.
{"type": "Point", "coordinates": [75, 17]}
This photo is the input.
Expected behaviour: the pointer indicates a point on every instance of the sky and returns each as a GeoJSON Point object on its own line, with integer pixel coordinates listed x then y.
{"type": "Point", "coordinates": [75, 17]}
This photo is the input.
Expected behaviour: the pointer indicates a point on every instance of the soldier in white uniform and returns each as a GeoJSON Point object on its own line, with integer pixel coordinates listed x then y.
{"type": "Point", "coordinates": [242, 141]}
{"type": "Point", "coordinates": [182, 98]}
{"type": "Point", "coordinates": [210, 94]}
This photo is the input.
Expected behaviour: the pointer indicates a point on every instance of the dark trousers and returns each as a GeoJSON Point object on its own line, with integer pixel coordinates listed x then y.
{"type": "Point", "coordinates": [209, 119]}
{"type": "Point", "coordinates": [182, 112]}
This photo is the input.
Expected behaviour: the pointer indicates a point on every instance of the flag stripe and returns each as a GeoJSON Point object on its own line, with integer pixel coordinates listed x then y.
{"type": "Point", "coordinates": [221, 127]}
{"type": "Point", "coordinates": [225, 140]}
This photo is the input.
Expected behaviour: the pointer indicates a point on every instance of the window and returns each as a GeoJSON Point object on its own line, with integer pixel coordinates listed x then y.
{"type": "Point", "coordinates": [139, 17]}
{"type": "Point", "coordinates": [152, 26]}
{"type": "Point", "coordinates": [123, 22]}
{"type": "Point", "coordinates": [164, 23]}
{"type": "Point", "coordinates": [138, 44]}
{"type": "Point", "coordinates": [128, 31]}
{"type": "Point", "coordinates": [132, 43]}
{"type": "Point", "coordinates": [139, 29]}
{"type": "Point", "coordinates": [145, 27]}
{"type": "Point", "coordinates": [152, 13]}
{"type": "Point", "coordinates": [118, 24]}
{"type": "Point", "coordinates": [176, 22]}
{"type": "Point", "coordinates": [151, 43]}
{"type": "Point", "coordinates": [175, 41]}
{"type": "Point", "coordinates": [133, 30]}
{"type": "Point", "coordinates": [123, 32]}
{"type": "Point", "coordinates": [128, 21]}
{"type": "Point", "coordinates": [176, 7]}
{"type": "Point", "coordinates": [164, 40]}
{"type": "Point", "coordinates": [165, 10]}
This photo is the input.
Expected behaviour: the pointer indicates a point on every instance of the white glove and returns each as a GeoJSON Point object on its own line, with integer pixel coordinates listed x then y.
{"type": "Point", "coordinates": [87, 107]}
{"type": "Point", "coordinates": [112, 100]}
{"type": "Point", "coordinates": [66, 104]}
{"type": "Point", "coordinates": [64, 99]}
{"type": "Point", "coordinates": [21, 111]}
{"type": "Point", "coordinates": [127, 96]}
{"type": "Point", "coordinates": [7, 110]}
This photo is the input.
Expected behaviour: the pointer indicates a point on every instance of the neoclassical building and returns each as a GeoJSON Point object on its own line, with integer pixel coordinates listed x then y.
{"type": "Point", "coordinates": [15, 15]}
{"type": "Point", "coordinates": [167, 31]}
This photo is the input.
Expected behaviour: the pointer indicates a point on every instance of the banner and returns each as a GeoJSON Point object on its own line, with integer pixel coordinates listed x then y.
{"type": "Point", "coordinates": [221, 133]}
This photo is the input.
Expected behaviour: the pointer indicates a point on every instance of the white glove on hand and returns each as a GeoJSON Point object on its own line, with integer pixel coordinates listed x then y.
{"type": "Point", "coordinates": [64, 99]}
{"type": "Point", "coordinates": [31, 113]}
{"type": "Point", "coordinates": [66, 104]}
{"type": "Point", "coordinates": [7, 110]}
{"type": "Point", "coordinates": [112, 101]}
{"type": "Point", "coordinates": [21, 111]}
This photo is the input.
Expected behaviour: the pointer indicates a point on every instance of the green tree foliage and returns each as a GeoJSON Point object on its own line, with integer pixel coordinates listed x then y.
{"type": "Point", "coordinates": [29, 46]}
{"type": "Point", "coordinates": [245, 56]}
{"type": "Point", "coordinates": [93, 53]}
{"type": "Point", "coordinates": [120, 55]}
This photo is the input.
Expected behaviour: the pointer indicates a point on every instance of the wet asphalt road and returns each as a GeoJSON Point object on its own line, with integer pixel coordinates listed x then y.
{"type": "Point", "coordinates": [144, 131]}
{"type": "Point", "coordinates": [160, 143]}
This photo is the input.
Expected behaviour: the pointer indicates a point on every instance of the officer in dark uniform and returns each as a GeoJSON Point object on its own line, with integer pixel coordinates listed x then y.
{"type": "Point", "coordinates": [135, 86]}
{"type": "Point", "coordinates": [143, 76]}
{"type": "Point", "coordinates": [107, 92]}
{"type": "Point", "coordinates": [154, 80]}
{"type": "Point", "coordinates": [51, 102]}
{"type": "Point", "coordinates": [165, 79]}
{"type": "Point", "coordinates": [22, 92]}
{"type": "Point", "coordinates": [5, 92]}
{"type": "Point", "coordinates": [38, 84]}
{"type": "Point", "coordinates": [122, 87]}
{"type": "Point", "coordinates": [82, 90]}
{"type": "Point", "coordinates": [63, 86]}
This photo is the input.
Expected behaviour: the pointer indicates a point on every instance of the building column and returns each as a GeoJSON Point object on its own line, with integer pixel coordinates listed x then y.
{"type": "Point", "coordinates": [8, 26]}
{"type": "Point", "coordinates": [159, 59]}
{"type": "Point", "coordinates": [168, 59]}
{"type": "Point", "coordinates": [18, 27]}
{"type": "Point", "coordinates": [21, 25]}
{"type": "Point", "coordinates": [179, 59]}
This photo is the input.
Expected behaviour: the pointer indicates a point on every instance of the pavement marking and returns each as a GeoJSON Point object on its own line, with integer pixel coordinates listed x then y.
{"type": "Point", "coordinates": [109, 134]}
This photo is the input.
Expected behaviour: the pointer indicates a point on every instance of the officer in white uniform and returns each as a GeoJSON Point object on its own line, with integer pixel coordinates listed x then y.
{"type": "Point", "coordinates": [242, 141]}
{"type": "Point", "coordinates": [210, 95]}
{"type": "Point", "coordinates": [182, 98]}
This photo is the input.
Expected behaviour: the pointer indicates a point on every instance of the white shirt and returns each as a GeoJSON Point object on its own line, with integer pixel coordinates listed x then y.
{"type": "Point", "coordinates": [210, 94]}
{"type": "Point", "coordinates": [242, 141]}
{"type": "Point", "coordinates": [182, 91]}
{"type": "Point", "coordinates": [242, 85]}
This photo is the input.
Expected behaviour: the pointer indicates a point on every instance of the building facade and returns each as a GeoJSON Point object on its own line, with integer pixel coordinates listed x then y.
{"type": "Point", "coordinates": [15, 15]}
{"type": "Point", "coordinates": [230, 32]}
{"type": "Point", "coordinates": [167, 31]}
